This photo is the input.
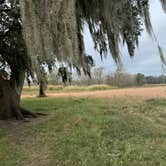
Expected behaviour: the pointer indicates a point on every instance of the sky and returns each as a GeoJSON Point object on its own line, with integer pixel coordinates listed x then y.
{"type": "Point", "coordinates": [146, 59]}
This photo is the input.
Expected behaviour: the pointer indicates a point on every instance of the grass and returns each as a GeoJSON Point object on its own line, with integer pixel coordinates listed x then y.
{"type": "Point", "coordinates": [154, 85]}
{"type": "Point", "coordinates": [74, 88]}
{"type": "Point", "coordinates": [88, 131]}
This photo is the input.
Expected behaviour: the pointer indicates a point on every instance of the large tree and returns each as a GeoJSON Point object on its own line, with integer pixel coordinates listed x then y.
{"type": "Point", "coordinates": [51, 30]}
{"type": "Point", "coordinates": [14, 60]}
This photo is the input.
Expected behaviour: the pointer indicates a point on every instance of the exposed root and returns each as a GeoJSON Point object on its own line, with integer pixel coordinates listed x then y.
{"type": "Point", "coordinates": [41, 114]}
{"type": "Point", "coordinates": [20, 114]}
{"type": "Point", "coordinates": [28, 114]}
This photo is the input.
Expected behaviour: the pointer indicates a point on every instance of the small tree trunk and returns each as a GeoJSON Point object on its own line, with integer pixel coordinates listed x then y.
{"type": "Point", "coordinates": [42, 89]}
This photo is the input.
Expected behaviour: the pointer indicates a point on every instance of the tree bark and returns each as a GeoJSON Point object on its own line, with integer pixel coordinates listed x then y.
{"type": "Point", "coordinates": [42, 89]}
{"type": "Point", "coordinates": [10, 93]}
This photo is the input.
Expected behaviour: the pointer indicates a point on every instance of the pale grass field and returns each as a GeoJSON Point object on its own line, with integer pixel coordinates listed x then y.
{"type": "Point", "coordinates": [99, 91]}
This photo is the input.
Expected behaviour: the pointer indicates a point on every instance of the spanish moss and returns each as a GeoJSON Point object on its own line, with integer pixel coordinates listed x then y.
{"type": "Point", "coordinates": [54, 29]}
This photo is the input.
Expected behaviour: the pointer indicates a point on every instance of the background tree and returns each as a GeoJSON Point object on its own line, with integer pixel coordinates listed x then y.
{"type": "Point", "coordinates": [98, 75]}
{"type": "Point", "coordinates": [63, 73]}
{"type": "Point", "coordinates": [140, 79]}
{"type": "Point", "coordinates": [53, 78]}
{"type": "Point", "coordinates": [42, 82]}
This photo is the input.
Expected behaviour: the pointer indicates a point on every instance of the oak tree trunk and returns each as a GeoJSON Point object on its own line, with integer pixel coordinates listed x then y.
{"type": "Point", "coordinates": [10, 93]}
{"type": "Point", "coordinates": [9, 101]}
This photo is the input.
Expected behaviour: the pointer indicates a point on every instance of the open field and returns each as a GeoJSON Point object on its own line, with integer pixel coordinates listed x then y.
{"type": "Point", "coordinates": [102, 91]}
{"type": "Point", "coordinates": [61, 88]}
{"type": "Point", "coordinates": [87, 131]}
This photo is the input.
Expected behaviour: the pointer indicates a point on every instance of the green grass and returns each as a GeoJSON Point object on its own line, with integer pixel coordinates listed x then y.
{"type": "Point", "coordinates": [88, 131]}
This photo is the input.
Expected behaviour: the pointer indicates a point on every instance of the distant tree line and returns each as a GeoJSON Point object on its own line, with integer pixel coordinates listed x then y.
{"type": "Point", "coordinates": [142, 79]}
{"type": "Point", "coordinates": [118, 78]}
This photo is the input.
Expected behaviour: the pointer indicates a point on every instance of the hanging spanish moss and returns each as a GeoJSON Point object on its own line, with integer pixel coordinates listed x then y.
{"type": "Point", "coordinates": [163, 3]}
{"type": "Point", "coordinates": [143, 5]}
{"type": "Point", "coordinates": [53, 28]}
{"type": "Point", "coordinates": [112, 21]}
{"type": "Point", "coordinates": [50, 29]}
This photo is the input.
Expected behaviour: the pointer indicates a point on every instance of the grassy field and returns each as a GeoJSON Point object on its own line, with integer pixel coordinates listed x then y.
{"type": "Point", "coordinates": [74, 88]}
{"type": "Point", "coordinates": [87, 132]}
{"type": "Point", "coordinates": [34, 90]}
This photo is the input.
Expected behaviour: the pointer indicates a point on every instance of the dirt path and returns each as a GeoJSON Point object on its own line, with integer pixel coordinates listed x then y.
{"type": "Point", "coordinates": [144, 92]}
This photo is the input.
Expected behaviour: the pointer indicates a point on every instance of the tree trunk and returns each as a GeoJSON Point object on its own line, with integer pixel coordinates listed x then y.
{"type": "Point", "coordinates": [9, 101]}
{"type": "Point", "coordinates": [10, 93]}
{"type": "Point", "coordinates": [42, 89]}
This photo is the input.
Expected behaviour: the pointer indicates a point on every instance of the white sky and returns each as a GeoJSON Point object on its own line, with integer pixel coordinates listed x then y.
{"type": "Point", "coordinates": [147, 58]}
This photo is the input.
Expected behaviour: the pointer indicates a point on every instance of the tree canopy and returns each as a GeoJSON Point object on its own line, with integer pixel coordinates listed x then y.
{"type": "Point", "coordinates": [53, 30]}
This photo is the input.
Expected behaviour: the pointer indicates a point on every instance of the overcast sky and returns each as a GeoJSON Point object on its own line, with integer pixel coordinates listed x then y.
{"type": "Point", "coordinates": [147, 58]}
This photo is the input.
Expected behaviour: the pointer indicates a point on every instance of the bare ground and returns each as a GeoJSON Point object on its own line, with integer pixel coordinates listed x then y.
{"type": "Point", "coordinates": [143, 92]}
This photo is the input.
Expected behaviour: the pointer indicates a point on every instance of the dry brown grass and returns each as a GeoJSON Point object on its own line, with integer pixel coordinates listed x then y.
{"type": "Point", "coordinates": [143, 92]}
